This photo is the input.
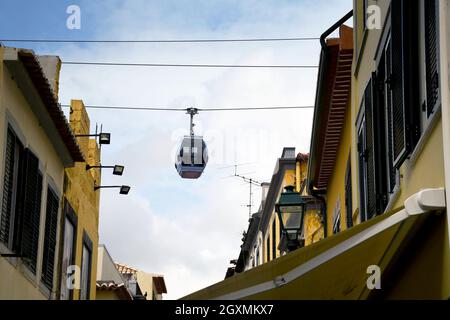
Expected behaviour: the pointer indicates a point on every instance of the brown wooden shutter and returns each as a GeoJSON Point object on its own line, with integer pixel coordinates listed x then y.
{"type": "Point", "coordinates": [30, 209]}
{"type": "Point", "coordinates": [51, 223]}
{"type": "Point", "coordinates": [431, 55]}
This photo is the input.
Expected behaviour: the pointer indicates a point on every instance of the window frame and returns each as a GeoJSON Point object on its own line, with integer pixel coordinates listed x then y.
{"type": "Point", "coordinates": [69, 217]}
{"type": "Point", "coordinates": [274, 237]}
{"type": "Point", "coordinates": [87, 243]}
{"type": "Point", "coordinates": [51, 188]}
{"type": "Point", "coordinates": [348, 193]}
{"type": "Point", "coordinates": [18, 152]}
{"type": "Point", "coordinates": [337, 216]}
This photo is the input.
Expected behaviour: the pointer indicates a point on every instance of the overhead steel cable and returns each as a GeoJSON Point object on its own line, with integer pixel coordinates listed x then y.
{"type": "Point", "coordinates": [186, 109]}
{"type": "Point", "coordinates": [162, 40]}
{"type": "Point", "coordinates": [121, 64]}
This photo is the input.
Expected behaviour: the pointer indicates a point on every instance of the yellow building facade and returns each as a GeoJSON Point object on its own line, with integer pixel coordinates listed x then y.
{"type": "Point", "coordinates": [379, 162]}
{"type": "Point", "coordinates": [82, 209]}
{"type": "Point", "coordinates": [264, 240]}
{"type": "Point", "coordinates": [37, 145]}
{"type": "Point", "coordinates": [49, 213]}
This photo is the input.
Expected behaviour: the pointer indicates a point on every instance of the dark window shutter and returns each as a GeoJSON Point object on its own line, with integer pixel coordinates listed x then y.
{"type": "Point", "coordinates": [51, 223]}
{"type": "Point", "coordinates": [30, 209]}
{"type": "Point", "coordinates": [431, 55]}
{"type": "Point", "coordinates": [370, 153]}
{"type": "Point", "coordinates": [379, 132]}
{"type": "Point", "coordinates": [362, 172]}
{"type": "Point", "coordinates": [403, 82]}
{"type": "Point", "coordinates": [396, 84]}
{"type": "Point", "coordinates": [389, 119]}
{"type": "Point", "coordinates": [8, 185]}
{"type": "Point", "coordinates": [348, 194]}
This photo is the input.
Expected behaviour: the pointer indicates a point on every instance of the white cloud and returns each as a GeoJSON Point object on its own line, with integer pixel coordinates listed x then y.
{"type": "Point", "coordinates": [189, 230]}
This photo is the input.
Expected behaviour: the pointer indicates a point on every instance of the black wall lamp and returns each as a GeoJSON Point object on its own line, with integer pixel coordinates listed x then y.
{"type": "Point", "coordinates": [103, 138]}
{"type": "Point", "coordinates": [117, 170]}
{"type": "Point", "coordinates": [123, 189]}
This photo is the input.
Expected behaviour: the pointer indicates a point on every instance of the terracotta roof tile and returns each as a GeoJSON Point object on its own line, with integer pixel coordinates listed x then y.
{"type": "Point", "coordinates": [124, 269]}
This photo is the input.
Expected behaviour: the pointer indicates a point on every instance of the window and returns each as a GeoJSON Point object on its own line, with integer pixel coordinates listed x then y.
{"type": "Point", "coordinates": [384, 74]}
{"type": "Point", "coordinates": [372, 140]}
{"type": "Point", "coordinates": [403, 75]}
{"type": "Point", "coordinates": [51, 223]}
{"type": "Point", "coordinates": [86, 262]}
{"type": "Point", "coordinates": [337, 224]}
{"type": "Point", "coordinates": [348, 194]}
{"type": "Point", "coordinates": [274, 237]}
{"type": "Point", "coordinates": [68, 255]}
{"type": "Point", "coordinates": [362, 170]}
{"type": "Point", "coordinates": [337, 217]}
{"type": "Point", "coordinates": [21, 203]}
{"type": "Point", "coordinates": [431, 56]}
{"type": "Point", "coordinates": [257, 257]}
{"type": "Point", "coordinates": [11, 183]}
{"type": "Point", "coordinates": [268, 248]}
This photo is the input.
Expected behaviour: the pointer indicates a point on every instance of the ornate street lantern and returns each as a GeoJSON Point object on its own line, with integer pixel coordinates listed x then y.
{"type": "Point", "coordinates": [290, 210]}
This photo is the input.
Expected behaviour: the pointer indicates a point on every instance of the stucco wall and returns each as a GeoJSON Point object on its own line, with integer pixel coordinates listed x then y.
{"type": "Point", "coordinates": [80, 190]}
{"type": "Point", "coordinates": [423, 169]}
{"type": "Point", "coordinates": [16, 281]}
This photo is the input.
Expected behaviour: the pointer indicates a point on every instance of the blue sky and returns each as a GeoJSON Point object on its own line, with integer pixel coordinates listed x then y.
{"type": "Point", "coordinates": [186, 230]}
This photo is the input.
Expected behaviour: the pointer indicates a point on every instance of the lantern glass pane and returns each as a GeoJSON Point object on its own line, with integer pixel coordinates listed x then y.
{"type": "Point", "coordinates": [292, 220]}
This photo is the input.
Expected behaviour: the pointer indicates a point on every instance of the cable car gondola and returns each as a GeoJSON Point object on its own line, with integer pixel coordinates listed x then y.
{"type": "Point", "coordinates": [192, 156]}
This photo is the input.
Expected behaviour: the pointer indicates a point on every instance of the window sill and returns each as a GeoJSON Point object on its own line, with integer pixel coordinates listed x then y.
{"type": "Point", "coordinates": [424, 138]}
{"type": "Point", "coordinates": [21, 267]}
{"type": "Point", "coordinates": [13, 261]}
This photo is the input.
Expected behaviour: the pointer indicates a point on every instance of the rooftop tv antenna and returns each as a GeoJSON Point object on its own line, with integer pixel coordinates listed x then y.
{"type": "Point", "coordinates": [250, 181]}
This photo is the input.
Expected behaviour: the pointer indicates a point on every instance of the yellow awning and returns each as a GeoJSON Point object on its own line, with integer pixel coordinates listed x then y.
{"type": "Point", "coordinates": [334, 268]}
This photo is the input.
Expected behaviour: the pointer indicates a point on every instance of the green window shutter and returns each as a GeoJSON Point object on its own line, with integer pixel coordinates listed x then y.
{"type": "Point", "coordinates": [30, 209]}
{"type": "Point", "coordinates": [51, 223]}
{"type": "Point", "coordinates": [431, 55]}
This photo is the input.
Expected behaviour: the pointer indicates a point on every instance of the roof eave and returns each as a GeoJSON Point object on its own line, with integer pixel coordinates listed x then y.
{"type": "Point", "coordinates": [26, 70]}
